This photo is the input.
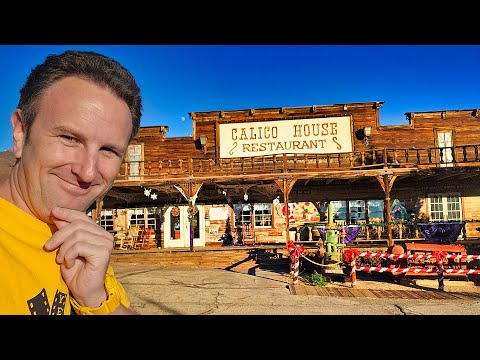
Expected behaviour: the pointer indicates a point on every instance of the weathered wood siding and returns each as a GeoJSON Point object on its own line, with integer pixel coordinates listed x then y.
{"type": "Point", "coordinates": [363, 114]}
{"type": "Point", "coordinates": [408, 151]}
{"type": "Point", "coordinates": [419, 132]}
{"type": "Point", "coordinates": [471, 214]}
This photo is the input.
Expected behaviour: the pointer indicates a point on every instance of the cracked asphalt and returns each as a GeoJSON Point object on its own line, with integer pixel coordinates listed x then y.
{"type": "Point", "coordinates": [178, 290]}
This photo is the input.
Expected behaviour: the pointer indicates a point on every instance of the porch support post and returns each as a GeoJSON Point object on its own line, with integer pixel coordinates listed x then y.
{"type": "Point", "coordinates": [286, 186]}
{"type": "Point", "coordinates": [386, 181]}
{"type": "Point", "coordinates": [189, 190]}
{"type": "Point", "coordinates": [98, 210]}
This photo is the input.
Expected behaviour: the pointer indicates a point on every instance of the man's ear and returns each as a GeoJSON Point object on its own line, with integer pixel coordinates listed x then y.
{"type": "Point", "coordinates": [19, 133]}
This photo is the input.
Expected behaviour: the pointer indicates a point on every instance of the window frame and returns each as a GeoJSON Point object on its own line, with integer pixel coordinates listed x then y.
{"type": "Point", "coordinates": [446, 207]}
{"type": "Point", "coordinates": [249, 213]}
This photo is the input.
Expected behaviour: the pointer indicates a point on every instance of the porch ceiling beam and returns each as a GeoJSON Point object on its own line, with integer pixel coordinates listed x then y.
{"type": "Point", "coordinates": [339, 174]}
{"type": "Point", "coordinates": [122, 196]}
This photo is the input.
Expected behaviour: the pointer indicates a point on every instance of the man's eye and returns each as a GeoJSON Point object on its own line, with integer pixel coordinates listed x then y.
{"type": "Point", "coordinates": [68, 138]}
{"type": "Point", "coordinates": [110, 151]}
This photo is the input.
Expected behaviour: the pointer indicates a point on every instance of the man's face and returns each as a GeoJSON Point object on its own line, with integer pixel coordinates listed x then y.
{"type": "Point", "coordinates": [75, 149]}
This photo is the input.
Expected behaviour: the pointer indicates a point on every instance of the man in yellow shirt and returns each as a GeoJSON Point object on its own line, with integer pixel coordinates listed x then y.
{"type": "Point", "coordinates": [77, 113]}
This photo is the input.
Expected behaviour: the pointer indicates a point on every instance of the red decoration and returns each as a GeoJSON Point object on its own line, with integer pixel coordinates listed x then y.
{"type": "Point", "coordinates": [295, 250]}
{"type": "Point", "coordinates": [350, 254]}
{"type": "Point", "coordinates": [440, 256]}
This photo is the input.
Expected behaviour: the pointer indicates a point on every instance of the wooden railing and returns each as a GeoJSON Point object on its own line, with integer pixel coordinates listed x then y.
{"type": "Point", "coordinates": [377, 233]}
{"type": "Point", "coordinates": [467, 155]}
{"type": "Point", "coordinates": [373, 233]}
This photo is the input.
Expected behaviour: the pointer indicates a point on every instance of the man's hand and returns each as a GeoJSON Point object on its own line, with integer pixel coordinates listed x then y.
{"type": "Point", "coordinates": [84, 250]}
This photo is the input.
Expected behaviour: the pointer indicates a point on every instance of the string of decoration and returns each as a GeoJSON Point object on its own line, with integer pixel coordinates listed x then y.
{"type": "Point", "coordinates": [149, 193]}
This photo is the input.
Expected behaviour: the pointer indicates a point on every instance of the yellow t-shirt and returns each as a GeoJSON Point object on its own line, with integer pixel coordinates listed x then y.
{"type": "Point", "coordinates": [30, 279]}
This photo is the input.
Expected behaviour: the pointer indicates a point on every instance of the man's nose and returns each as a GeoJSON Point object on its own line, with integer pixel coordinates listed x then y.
{"type": "Point", "coordinates": [86, 166]}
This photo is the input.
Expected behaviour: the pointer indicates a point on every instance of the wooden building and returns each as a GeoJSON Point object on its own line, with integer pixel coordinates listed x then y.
{"type": "Point", "coordinates": [274, 170]}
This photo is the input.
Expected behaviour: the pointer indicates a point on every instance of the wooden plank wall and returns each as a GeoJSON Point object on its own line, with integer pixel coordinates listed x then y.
{"type": "Point", "coordinates": [158, 146]}
{"type": "Point", "coordinates": [419, 130]}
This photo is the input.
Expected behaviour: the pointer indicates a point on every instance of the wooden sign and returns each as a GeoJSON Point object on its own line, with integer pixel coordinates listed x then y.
{"type": "Point", "coordinates": [298, 136]}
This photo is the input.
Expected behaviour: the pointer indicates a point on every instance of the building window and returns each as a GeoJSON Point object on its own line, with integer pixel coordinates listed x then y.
{"type": "Point", "coordinates": [445, 208]}
{"type": "Point", "coordinates": [144, 217]}
{"type": "Point", "coordinates": [375, 210]}
{"type": "Point", "coordinates": [445, 145]}
{"type": "Point", "coordinates": [134, 155]}
{"type": "Point", "coordinates": [106, 220]}
{"type": "Point", "coordinates": [152, 217]}
{"type": "Point", "coordinates": [262, 213]}
{"type": "Point", "coordinates": [243, 214]}
{"type": "Point", "coordinates": [339, 209]}
{"type": "Point", "coordinates": [356, 211]}
{"type": "Point", "coordinates": [136, 217]}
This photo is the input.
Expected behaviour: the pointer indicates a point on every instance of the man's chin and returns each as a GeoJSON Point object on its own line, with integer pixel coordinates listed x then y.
{"type": "Point", "coordinates": [79, 206]}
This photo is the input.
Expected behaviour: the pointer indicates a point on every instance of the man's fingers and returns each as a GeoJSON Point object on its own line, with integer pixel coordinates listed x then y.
{"type": "Point", "coordinates": [83, 252]}
{"type": "Point", "coordinates": [59, 223]}
{"type": "Point", "coordinates": [71, 226]}
{"type": "Point", "coordinates": [67, 215]}
{"type": "Point", "coordinates": [80, 243]}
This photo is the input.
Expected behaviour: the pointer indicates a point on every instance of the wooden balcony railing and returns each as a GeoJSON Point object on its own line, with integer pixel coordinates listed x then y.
{"type": "Point", "coordinates": [466, 155]}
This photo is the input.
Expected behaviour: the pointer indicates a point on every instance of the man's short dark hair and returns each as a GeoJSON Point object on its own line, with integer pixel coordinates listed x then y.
{"type": "Point", "coordinates": [88, 65]}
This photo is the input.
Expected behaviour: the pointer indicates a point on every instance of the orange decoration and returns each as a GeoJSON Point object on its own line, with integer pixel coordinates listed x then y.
{"type": "Point", "coordinates": [175, 211]}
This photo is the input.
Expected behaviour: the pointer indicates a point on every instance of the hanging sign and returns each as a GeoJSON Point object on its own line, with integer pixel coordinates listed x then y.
{"type": "Point", "coordinates": [218, 213]}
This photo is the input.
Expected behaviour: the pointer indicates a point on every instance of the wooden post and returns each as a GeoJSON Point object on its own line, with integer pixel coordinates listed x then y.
{"type": "Point", "coordinates": [388, 216]}
{"type": "Point", "coordinates": [286, 186]}
{"type": "Point", "coordinates": [287, 215]}
{"type": "Point", "coordinates": [296, 267]}
{"type": "Point", "coordinates": [189, 190]}
{"type": "Point", "coordinates": [440, 271]}
{"type": "Point", "coordinates": [98, 210]}
{"type": "Point", "coordinates": [353, 273]}
{"type": "Point", "coordinates": [386, 181]}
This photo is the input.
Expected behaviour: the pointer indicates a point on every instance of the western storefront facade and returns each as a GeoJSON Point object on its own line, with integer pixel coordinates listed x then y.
{"type": "Point", "coordinates": [273, 173]}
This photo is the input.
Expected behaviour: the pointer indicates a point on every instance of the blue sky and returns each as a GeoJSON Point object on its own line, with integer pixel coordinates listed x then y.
{"type": "Point", "coordinates": [178, 79]}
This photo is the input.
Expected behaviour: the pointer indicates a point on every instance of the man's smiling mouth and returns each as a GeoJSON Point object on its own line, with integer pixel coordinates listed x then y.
{"type": "Point", "coordinates": [74, 184]}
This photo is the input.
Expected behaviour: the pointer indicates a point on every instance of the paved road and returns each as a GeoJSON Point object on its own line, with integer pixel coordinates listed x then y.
{"type": "Point", "coordinates": [253, 291]}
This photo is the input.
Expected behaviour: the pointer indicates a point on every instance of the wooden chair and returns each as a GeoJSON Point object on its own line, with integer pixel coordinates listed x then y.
{"type": "Point", "coordinates": [248, 234]}
{"type": "Point", "coordinates": [122, 242]}
{"type": "Point", "coordinates": [118, 240]}
{"type": "Point", "coordinates": [132, 236]}
{"type": "Point", "coordinates": [143, 238]}
{"type": "Point", "coordinates": [146, 238]}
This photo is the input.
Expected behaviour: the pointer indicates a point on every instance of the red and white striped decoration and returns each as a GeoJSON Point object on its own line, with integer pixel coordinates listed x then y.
{"type": "Point", "coordinates": [295, 253]}
{"type": "Point", "coordinates": [296, 267]}
{"type": "Point", "coordinates": [369, 254]}
{"type": "Point", "coordinates": [415, 270]}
